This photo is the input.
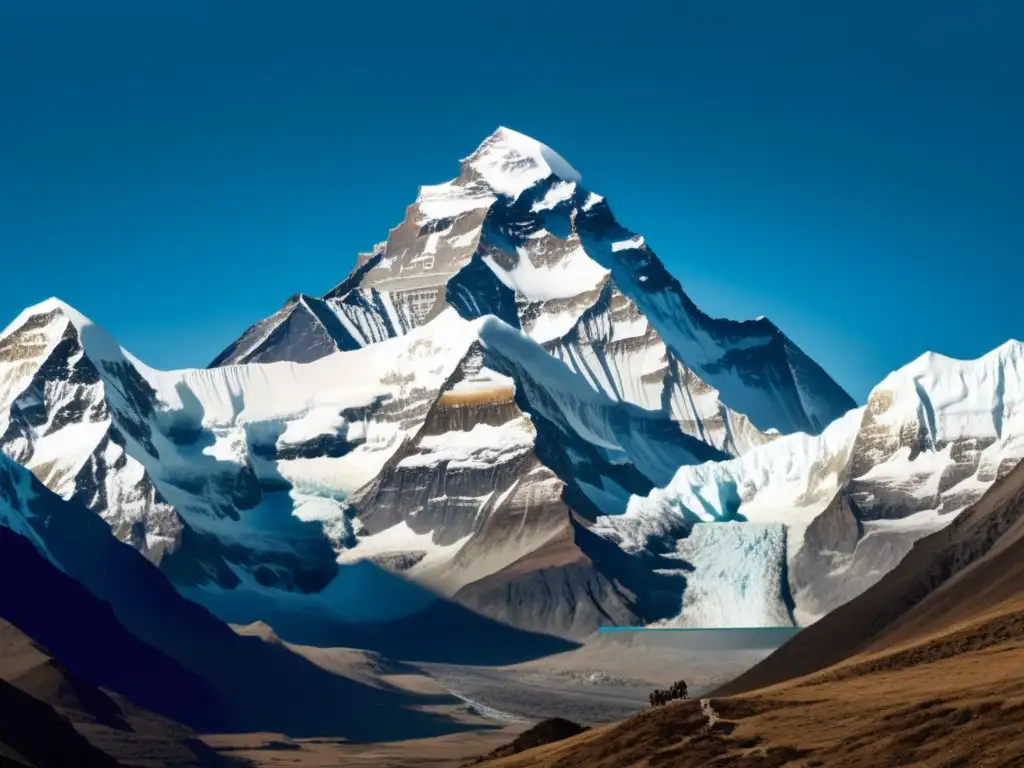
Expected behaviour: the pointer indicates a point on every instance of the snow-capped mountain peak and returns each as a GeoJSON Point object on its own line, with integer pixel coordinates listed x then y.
{"type": "Point", "coordinates": [517, 236]}
{"type": "Point", "coordinates": [52, 305]}
{"type": "Point", "coordinates": [953, 398]}
{"type": "Point", "coordinates": [510, 162]}
{"type": "Point", "coordinates": [97, 343]}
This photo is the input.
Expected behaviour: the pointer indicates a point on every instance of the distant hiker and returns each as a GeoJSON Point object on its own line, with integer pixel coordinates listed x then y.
{"type": "Point", "coordinates": [678, 690]}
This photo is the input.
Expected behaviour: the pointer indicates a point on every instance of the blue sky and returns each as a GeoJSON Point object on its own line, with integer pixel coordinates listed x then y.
{"type": "Point", "coordinates": [851, 170]}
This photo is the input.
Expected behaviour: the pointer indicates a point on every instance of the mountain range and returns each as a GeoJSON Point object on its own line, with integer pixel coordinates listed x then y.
{"type": "Point", "coordinates": [509, 414]}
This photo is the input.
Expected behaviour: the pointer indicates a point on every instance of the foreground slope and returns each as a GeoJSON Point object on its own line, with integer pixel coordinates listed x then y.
{"type": "Point", "coordinates": [925, 668]}
{"type": "Point", "coordinates": [822, 518]}
{"type": "Point", "coordinates": [55, 611]}
{"type": "Point", "coordinates": [112, 723]}
{"type": "Point", "coordinates": [39, 737]}
{"type": "Point", "coordinates": [956, 710]}
{"type": "Point", "coordinates": [516, 235]}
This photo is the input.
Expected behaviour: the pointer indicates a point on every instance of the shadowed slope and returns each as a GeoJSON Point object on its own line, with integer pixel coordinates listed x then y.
{"type": "Point", "coordinates": [33, 735]}
{"type": "Point", "coordinates": [110, 722]}
{"type": "Point", "coordinates": [265, 687]}
{"type": "Point", "coordinates": [83, 632]}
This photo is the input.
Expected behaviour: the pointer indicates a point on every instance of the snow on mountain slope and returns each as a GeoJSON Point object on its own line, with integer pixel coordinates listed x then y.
{"type": "Point", "coordinates": [449, 454]}
{"type": "Point", "coordinates": [737, 578]}
{"type": "Point", "coordinates": [513, 455]}
{"type": "Point", "coordinates": [788, 480]}
{"type": "Point", "coordinates": [932, 439]}
{"type": "Point", "coordinates": [231, 478]}
{"type": "Point", "coordinates": [516, 235]}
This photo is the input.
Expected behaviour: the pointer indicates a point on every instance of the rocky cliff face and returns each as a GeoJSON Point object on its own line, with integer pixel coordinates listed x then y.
{"type": "Point", "coordinates": [489, 502]}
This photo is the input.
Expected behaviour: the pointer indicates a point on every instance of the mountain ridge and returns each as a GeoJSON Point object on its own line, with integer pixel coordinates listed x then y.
{"type": "Point", "coordinates": [932, 439]}
{"type": "Point", "coordinates": [215, 449]}
{"type": "Point", "coordinates": [533, 420]}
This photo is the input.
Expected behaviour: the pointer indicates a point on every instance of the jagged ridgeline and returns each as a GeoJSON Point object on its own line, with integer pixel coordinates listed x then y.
{"type": "Point", "coordinates": [517, 235]}
{"type": "Point", "coordinates": [509, 406]}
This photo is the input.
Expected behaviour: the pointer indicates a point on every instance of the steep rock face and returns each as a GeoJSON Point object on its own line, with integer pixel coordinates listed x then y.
{"type": "Point", "coordinates": [229, 479]}
{"type": "Point", "coordinates": [452, 454]}
{"type": "Point", "coordinates": [932, 439]}
{"type": "Point", "coordinates": [517, 236]}
{"type": "Point", "coordinates": [489, 502]}
{"type": "Point", "coordinates": [303, 330]}
{"type": "Point", "coordinates": [556, 587]}
{"type": "Point", "coordinates": [69, 420]}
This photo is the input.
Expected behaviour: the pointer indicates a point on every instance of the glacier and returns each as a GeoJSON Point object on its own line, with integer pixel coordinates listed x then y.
{"type": "Point", "coordinates": [933, 437]}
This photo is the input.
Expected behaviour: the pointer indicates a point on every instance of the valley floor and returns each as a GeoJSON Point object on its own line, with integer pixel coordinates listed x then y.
{"type": "Point", "coordinates": [949, 701]}
{"type": "Point", "coordinates": [607, 679]}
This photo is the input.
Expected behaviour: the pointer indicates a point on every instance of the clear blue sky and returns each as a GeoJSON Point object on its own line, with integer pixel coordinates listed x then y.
{"type": "Point", "coordinates": [855, 175]}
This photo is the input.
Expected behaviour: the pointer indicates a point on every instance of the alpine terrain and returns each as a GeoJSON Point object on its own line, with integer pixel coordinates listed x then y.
{"type": "Point", "coordinates": [801, 525]}
{"type": "Point", "coordinates": [923, 668]}
{"type": "Point", "coordinates": [511, 416]}
{"type": "Point", "coordinates": [71, 591]}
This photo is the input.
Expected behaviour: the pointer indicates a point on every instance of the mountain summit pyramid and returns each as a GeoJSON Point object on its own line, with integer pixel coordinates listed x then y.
{"type": "Point", "coordinates": [517, 236]}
